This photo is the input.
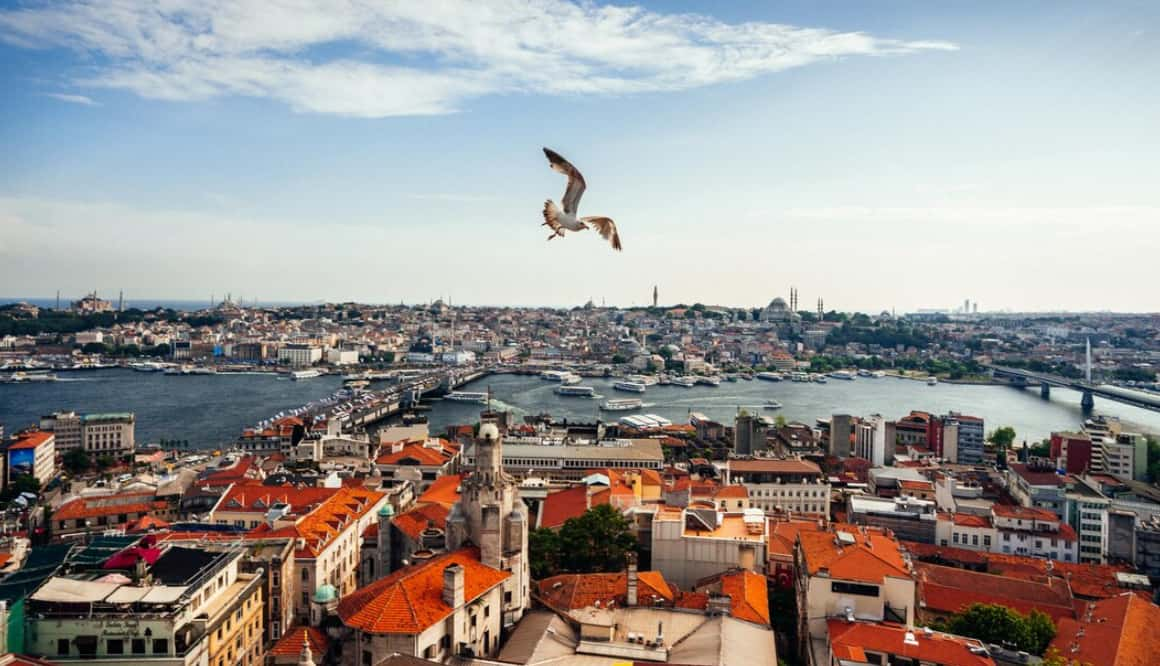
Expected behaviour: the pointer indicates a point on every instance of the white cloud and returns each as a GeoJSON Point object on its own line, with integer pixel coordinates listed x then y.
{"type": "Point", "coordinates": [410, 58]}
{"type": "Point", "coordinates": [73, 99]}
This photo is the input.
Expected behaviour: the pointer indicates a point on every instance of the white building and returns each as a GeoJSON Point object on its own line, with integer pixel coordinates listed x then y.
{"type": "Point", "coordinates": [110, 434]}
{"type": "Point", "coordinates": [299, 355]}
{"type": "Point", "coordinates": [1012, 530]}
{"type": "Point", "coordinates": [870, 439]}
{"type": "Point", "coordinates": [32, 453]}
{"type": "Point", "coordinates": [341, 356]}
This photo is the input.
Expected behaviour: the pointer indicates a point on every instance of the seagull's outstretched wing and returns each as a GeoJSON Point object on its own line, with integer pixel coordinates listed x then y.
{"type": "Point", "coordinates": [576, 185]}
{"type": "Point", "coordinates": [607, 229]}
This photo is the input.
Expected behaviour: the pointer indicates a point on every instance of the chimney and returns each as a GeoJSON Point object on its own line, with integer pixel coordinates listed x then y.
{"type": "Point", "coordinates": [631, 600]}
{"type": "Point", "coordinates": [453, 584]}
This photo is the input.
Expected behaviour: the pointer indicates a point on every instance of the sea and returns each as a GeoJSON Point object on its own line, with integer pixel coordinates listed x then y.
{"type": "Point", "coordinates": [210, 411]}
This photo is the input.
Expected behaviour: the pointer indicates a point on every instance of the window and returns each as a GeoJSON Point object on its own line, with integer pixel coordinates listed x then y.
{"type": "Point", "coordinates": [138, 646]}
{"type": "Point", "coordinates": [367, 658]}
{"type": "Point", "coordinates": [160, 646]}
{"type": "Point", "coordinates": [62, 647]}
{"type": "Point", "coordinates": [987, 540]}
{"type": "Point", "coordinates": [305, 573]}
{"type": "Point", "coordinates": [838, 587]}
{"type": "Point", "coordinates": [115, 646]}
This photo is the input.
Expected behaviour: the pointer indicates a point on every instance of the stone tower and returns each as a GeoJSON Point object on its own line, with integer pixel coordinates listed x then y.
{"type": "Point", "coordinates": [384, 560]}
{"type": "Point", "coordinates": [491, 516]}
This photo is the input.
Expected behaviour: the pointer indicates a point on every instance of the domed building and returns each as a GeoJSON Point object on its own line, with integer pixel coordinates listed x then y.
{"type": "Point", "coordinates": [777, 310]}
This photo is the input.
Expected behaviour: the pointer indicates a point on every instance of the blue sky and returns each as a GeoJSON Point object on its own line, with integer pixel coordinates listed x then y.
{"type": "Point", "coordinates": [875, 154]}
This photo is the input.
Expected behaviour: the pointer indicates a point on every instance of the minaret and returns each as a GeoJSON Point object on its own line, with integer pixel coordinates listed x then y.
{"type": "Point", "coordinates": [654, 295]}
{"type": "Point", "coordinates": [821, 310]}
{"type": "Point", "coordinates": [121, 301]}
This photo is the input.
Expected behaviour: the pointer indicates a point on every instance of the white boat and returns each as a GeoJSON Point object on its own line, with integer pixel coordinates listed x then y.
{"type": "Point", "coordinates": [878, 374]}
{"type": "Point", "coordinates": [932, 381]}
{"type": "Point", "coordinates": [622, 405]}
{"type": "Point", "coordinates": [843, 374]}
{"type": "Point", "coordinates": [466, 396]}
{"type": "Point", "coordinates": [631, 387]}
{"type": "Point", "coordinates": [685, 382]}
{"type": "Point", "coordinates": [576, 391]}
{"type": "Point", "coordinates": [571, 379]}
{"type": "Point", "coordinates": [770, 376]}
{"type": "Point", "coordinates": [147, 366]}
{"type": "Point", "coordinates": [647, 380]}
{"type": "Point", "coordinates": [772, 404]}
{"type": "Point", "coordinates": [21, 377]}
{"type": "Point", "coordinates": [821, 379]}
{"type": "Point", "coordinates": [304, 374]}
{"type": "Point", "coordinates": [709, 381]}
{"type": "Point", "coordinates": [863, 372]}
{"type": "Point", "coordinates": [554, 375]}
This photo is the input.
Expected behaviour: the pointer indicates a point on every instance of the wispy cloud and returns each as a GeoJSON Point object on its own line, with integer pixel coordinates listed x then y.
{"type": "Point", "coordinates": [73, 99]}
{"type": "Point", "coordinates": [410, 58]}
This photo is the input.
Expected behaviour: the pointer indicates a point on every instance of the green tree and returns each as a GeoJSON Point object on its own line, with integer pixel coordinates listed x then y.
{"type": "Point", "coordinates": [544, 548]}
{"type": "Point", "coordinates": [24, 483]}
{"type": "Point", "coordinates": [598, 540]}
{"type": "Point", "coordinates": [780, 421]}
{"type": "Point", "coordinates": [1002, 437]}
{"type": "Point", "coordinates": [992, 623]}
{"type": "Point", "coordinates": [1153, 459]}
{"type": "Point", "coordinates": [105, 462]}
{"type": "Point", "coordinates": [76, 461]}
{"type": "Point", "coordinates": [619, 358]}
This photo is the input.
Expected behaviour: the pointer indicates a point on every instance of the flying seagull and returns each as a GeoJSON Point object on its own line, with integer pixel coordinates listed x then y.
{"type": "Point", "coordinates": [558, 220]}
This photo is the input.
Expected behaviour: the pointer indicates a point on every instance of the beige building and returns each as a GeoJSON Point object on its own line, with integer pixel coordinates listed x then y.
{"type": "Point", "coordinates": [32, 453]}
{"type": "Point", "coordinates": [169, 613]}
{"type": "Point", "coordinates": [782, 485]}
{"type": "Point", "coordinates": [695, 543]}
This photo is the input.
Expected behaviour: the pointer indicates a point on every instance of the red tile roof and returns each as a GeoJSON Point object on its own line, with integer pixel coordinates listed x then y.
{"type": "Point", "coordinates": [413, 521]}
{"type": "Point", "coordinates": [30, 439]}
{"type": "Point", "coordinates": [949, 590]}
{"type": "Point", "coordinates": [564, 504]}
{"type": "Point", "coordinates": [872, 558]}
{"type": "Point", "coordinates": [1036, 477]}
{"type": "Point", "coordinates": [325, 522]}
{"type": "Point", "coordinates": [748, 596]}
{"type": "Point", "coordinates": [567, 592]}
{"type": "Point", "coordinates": [108, 505]}
{"type": "Point", "coordinates": [850, 640]}
{"type": "Point", "coordinates": [1023, 512]}
{"type": "Point", "coordinates": [410, 600]}
{"type": "Point", "coordinates": [421, 453]}
{"type": "Point", "coordinates": [290, 645]}
{"type": "Point", "coordinates": [444, 490]}
{"type": "Point", "coordinates": [253, 497]}
{"type": "Point", "coordinates": [774, 466]}
{"type": "Point", "coordinates": [734, 491]}
{"type": "Point", "coordinates": [1120, 631]}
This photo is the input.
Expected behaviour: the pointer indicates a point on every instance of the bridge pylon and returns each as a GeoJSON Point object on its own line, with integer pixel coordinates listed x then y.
{"type": "Point", "coordinates": [1044, 390]}
{"type": "Point", "coordinates": [1088, 401]}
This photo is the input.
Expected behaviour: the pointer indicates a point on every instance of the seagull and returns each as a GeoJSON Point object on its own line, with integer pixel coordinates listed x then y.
{"type": "Point", "coordinates": [558, 220]}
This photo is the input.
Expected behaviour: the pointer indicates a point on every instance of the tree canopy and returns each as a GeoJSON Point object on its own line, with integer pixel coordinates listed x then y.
{"type": "Point", "coordinates": [992, 623]}
{"type": "Point", "coordinates": [598, 540]}
{"type": "Point", "coordinates": [1002, 437]}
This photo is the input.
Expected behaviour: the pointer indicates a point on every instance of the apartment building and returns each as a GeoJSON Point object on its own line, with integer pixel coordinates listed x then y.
{"type": "Point", "coordinates": [782, 485]}
{"type": "Point", "coordinates": [111, 434]}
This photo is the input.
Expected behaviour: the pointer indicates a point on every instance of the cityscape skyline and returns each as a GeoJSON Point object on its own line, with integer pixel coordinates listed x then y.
{"type": "Point", "coordinates": [883, 159]}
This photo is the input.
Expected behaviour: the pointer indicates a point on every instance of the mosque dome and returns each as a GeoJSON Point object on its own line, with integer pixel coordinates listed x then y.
{"type": "Point", "coordinates": [778, 305]}
{"type": "Point", "coordinates": [325, 594]}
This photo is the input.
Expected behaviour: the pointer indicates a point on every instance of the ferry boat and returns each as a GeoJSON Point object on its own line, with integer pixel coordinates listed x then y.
{"type": "Point", "coordinates": [932, 381]}
{"type": "Point", "coordinates": [576, 391]}
{"type": "Point", "coordinates": [862, 372]}
{"type": "Point", "coordinates": [843, 374]}
{"type": "Point", "coordinates": [821, 379]}
{"type": "Point", "coordinates": [147, 366]}
{"type": "Point", "coordinates": [647, 380]}
{"type": "Point", "coordinates": [685, 382]}
{"type": "Point", "coordinates": [21, 377]}
{"type": "Point", "coordinates": [304, 374]}
{"type": "Point", "coordinates": [709, 381]}
{"type": "Point", "coordinates": [631, 387]}
{"type": "Point", "coordinates": [770, 376]}
{"type": "Point", "coordinates": [878, 374]}
{"type": "Point", "coordinates": [622, 405]}
{"type": "Point", "coordinates": [571, 379]}
{"type": "Point", "coordinates": [772, 404]}
{"type": "Point", "coordinates": [467, 396]}
{"type": "Point", "coordinates": [554, 375]}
